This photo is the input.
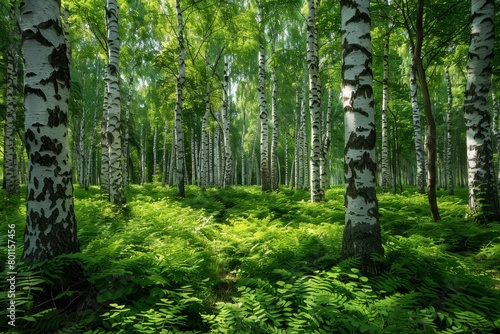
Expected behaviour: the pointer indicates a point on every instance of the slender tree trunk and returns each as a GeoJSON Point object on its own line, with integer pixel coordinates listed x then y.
{"type": "Point", "coordinates": [126, 139]}
{"type": "Point", "coordinates": [496, 132]}
{"type": "Point", "coordinates": [243, 133]}
{"type": "Point", "coordinates": [483, 193]}
{"type": "Point", "coordinates": [302, 145]}
{"type": "Point", "coordinates": [448, 166]}
{"type": "Point", "coordinates": [81, 150]}
{"type": "Point", "coordinates": [164, 155]}
{"type": "Point", "coordinates": [143, 144]}
{"type": "Point", "coordinates": [431, 124]}
{"type": "Point", "coordinates": [417, 130]}
{"type": "Point", "coordinates": [155, 138]}
{"type": "Point", "coordinates": [275, 135]}
{"type": "Point", "coordinates": [113, 129]}
{"type": "Point", "coordinates": [385, 102]}
{"type": "Point", "coordinates": [362, 235]}
{"type": "Point", "coordinates": [50, 218]}
{"type": "Point", "coordinates": [172, 176]}
{"type": "Point", "coordinates": [317, 192]}
{"type": "Point", "coordinates": [179, 137]}
{"type": "Point", "coordinates": [228, 155]}
{"type": "Point", "coordinates": [264, 131]}
{"type": "Point", "coordinates": [104, 175]}
{"type": "Point", "coordinates": [94, 126]}
{"type": "Point", "coordinates": [204, 154]}
{"type": "Point", "coordinates": [325, 142]}
{"type": "Point", "coordinates": [11, 167]}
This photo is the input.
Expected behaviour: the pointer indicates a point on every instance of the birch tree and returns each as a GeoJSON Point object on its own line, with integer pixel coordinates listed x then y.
{"type": "Point", "coordinates": [113, 126]}
{"type": "Point", "coordinates": [11, 169]}
{"type": "Point", "coordinates": [417, 129]}
{"type": "Point", "coordinates": [448, 167]}
{"type": "Point", "coordinates": [317, 192]}
{"type": "Point", "coordinates": [263, 115]}
{"type": "Point", "coordinates": [50, 218]}
{"type": "Point", "coordinates": [483, 194]}
{"type": "Point", "coordinates": [385, 103]}
{"type": "Point", "coordinates": [228, 155]}
{"type": "Point", "coordinates": [362, 235]}
{"type": "Point", "coordinates": [181, 78]}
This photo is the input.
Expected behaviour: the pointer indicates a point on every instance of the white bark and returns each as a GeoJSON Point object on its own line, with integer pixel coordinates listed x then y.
{"type": "Point", "coordinates": [325, 142]}
{"type": "Point", "coordinates": [164, 155]}
{"type": "Point", "coordinates": [417, 130]}
{"type": "Point", "coordinates": [113, 128]}
{"type": "Point", "coordinates": [126, 138]}
{"type": "Point", "coordinates": [317, 192]}
{"type": "Point", "coordinates": [11, 169]}
{"type": "Point", "coordinates": [448, 167]}
{"type": "Point", "coordinates": [275, 134]}
{"type": "Point", "coordinates": [228, 155]}
{"type": "Point", "coordinates": [264, 131]}
{"type": "Point", "coordinates": [179, 137]}
{"type": "Point", "coordinates": [385, 101]}
{"type": "Point", "coordinates": [50, 219]}
{"type": "Point", "coordinates": [483, 194]}
{"type": "Point", "coordinates": [362, 230]}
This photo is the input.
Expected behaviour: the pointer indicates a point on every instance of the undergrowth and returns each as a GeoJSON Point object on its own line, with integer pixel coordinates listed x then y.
{"type": "Point", "coordinates": [238, 260]}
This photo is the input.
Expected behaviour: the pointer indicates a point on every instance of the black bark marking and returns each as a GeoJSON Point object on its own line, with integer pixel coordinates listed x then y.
{"type": "Point", "coordinates": [28, 90]}
{"type": "Point", "coordinates": [57, 117]}
{"type": "Point", "coordinates": [30, 135]}
{"type": "Point", "coordinates": [43, 160]}
{"type": "Point", "coordinates": [50, 145]}
{"type": "Point", "coordinates": [30, 34]}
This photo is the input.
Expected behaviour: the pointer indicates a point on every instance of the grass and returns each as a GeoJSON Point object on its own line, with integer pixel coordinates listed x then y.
{"type": "Point", "coordinates": [238, 260]}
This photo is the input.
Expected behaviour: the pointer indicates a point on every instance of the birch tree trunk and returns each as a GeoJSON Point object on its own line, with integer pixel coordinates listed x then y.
{"type": "Point", "coordinates": [243, 133]}
{"type": "Point", "coordinates": [325, 142]}
{"type": "Point", "coordinates": [496, 131]}
{"type": "Point", "coordinates": [104, 176]}
{"type": "Point", "coordinates": [362, 235]}
{"type": "Point", "coordinates": [264, 131]}
{"type": "Point", "coordinates": [275, 135]}
{"type": "Point", "coordinates": [204, 151]}
{"type": "Point", "coordinates": [126, 138]}
{"type": "Point", "coordinates": [317, 192]}
{"type": "Point", "coordinates": [483, 194]}
{"type": "Point", "coordinates": [179, 137]}
{"type": "Point", "coordinates": [50, 218]}
{"type": "Point", "coordinates": [92, 135]}
{"type": "Point", "coordinates": [448, 167]}
{"type": "Point", "coordinates": [164, 155]}
{"type": "Point", "coordinates": [385, 102]}
{"type": "Point", "coordinates": [113, 128]}
{"type": "Point", "coordinates": [228, 155]}
{"type": "Point", "coordinates": [417, 130]}
{"type": "Point", "coordinates": [431, 124]}
{"type": "Point", "coordinates": [11, 169]}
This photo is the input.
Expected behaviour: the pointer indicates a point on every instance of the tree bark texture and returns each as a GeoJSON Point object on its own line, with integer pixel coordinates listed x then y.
{"type": "Point", "coordinates": [483, 194]}
{"type": "Point", "coordinates": [362, 235]}
{"type": "Point", "coordinates": [179, 137]}
{"type": "Point", "coordinates": [50, 219]}
{"type": "Point", "coordinates": [11, 166]}
{"type": "Point", "coordinates": [113, 127]}
{"type": "Point", "coordinates": [317, 192]}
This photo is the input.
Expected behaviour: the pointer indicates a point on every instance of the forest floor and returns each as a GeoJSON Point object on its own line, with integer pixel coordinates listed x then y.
{"type": "Point", "coordinates": [238, 260]}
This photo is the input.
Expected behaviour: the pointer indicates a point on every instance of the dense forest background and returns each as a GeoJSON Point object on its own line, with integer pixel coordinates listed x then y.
{"type": "Point", "coordinates": [208, 145]}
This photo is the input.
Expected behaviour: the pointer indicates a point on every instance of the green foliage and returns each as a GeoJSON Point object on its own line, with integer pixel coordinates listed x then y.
{"type": "Point", "coordinates": [239, 261]}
